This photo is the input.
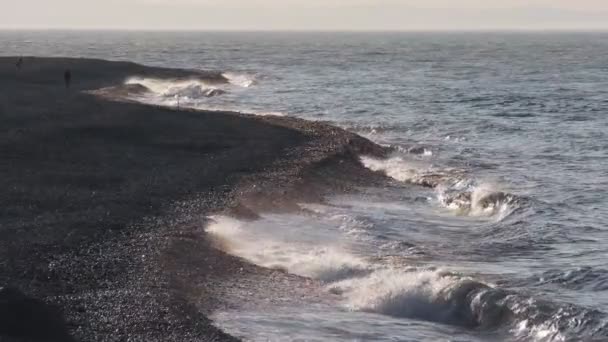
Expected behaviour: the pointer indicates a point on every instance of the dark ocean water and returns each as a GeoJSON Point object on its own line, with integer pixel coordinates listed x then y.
{"type": "Point", "coordinates": [510, 129]}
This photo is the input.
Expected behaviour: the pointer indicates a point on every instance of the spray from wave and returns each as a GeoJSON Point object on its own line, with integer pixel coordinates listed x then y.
{"type": "Point", "coordinates": [324, 262]}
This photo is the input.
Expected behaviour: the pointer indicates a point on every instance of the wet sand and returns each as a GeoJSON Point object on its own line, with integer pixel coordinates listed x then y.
{"type": "Point", "coordinates": [104, 202]}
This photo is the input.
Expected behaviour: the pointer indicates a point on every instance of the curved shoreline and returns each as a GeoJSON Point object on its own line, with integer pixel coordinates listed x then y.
{"type": "Point", "coordinates": [107, 200]}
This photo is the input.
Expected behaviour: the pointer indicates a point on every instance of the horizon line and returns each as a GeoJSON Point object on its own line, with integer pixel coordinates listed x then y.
{"type": "Point", "coordinates": [320, 30]}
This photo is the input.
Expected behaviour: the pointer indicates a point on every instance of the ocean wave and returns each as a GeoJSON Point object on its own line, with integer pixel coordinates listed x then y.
{"type": "Point", "coordinates": [455, 190]}
{"type": "Point", "coordinates": [124, 91]}
{"type": "Point", "coordinates": [479, 200]}
{"type": "Point", "coordinates": [403, 247]}
{"type": "Point", "coordinates": [449, 298]}
{"type": "Point", "coordinates": [326, 263]}
{"type": "Point", "coordinates": [421, 293]}
{"type": "Point", "coordinates": [426, 294]}
{"type": "Point", "coordinates": [183, 93]}
{"type": "Point", "coordinates": [411, 171]}
{"type": "Point", "coordinates": [240, 79]}
{"type": "Point", "coordinates": [417, 150]}
{"type": "Point", "coordinates": [413, 150]}
{"type": "Point", "coordinates": [264, 113]}
{"type": "Point", "coordinates": [190, 88]}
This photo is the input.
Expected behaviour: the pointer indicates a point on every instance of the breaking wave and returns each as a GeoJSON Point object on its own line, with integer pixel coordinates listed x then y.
{"type": "Point", "coordinates": [427, 294]}
{"type": "Point", "coordinates": [450, 298]}
{"type": "Point", "coordinates": [412, 172]}
{"type": "Point", "coordinates": [194, 93]}
{"type": "Point", "coordinates": [454, 189]}
{"type": "Point", "coordinates": [322, 262]}
{"type": "Point", "coordinates": [241, 80]}
{"type": "Point", "coordinates": [415, 292]}
{"type": "Point", "coordinates": [190, 88]}
{"type": "Point", "coordinates": [478, 200]}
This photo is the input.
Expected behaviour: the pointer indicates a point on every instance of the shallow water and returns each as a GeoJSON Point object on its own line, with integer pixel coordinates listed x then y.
{"type": "Point", "coordinates": [509, 129]}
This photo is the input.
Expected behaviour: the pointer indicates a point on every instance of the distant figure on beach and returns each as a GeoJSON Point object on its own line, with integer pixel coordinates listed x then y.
{"type": "Point", "coordinates": [19, 63]}
{"type": "Point", "coordinates": [67, 77]}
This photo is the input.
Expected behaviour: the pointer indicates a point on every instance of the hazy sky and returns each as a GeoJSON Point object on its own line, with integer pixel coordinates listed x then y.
{"type": "Point", "coordinates": [306, 14]}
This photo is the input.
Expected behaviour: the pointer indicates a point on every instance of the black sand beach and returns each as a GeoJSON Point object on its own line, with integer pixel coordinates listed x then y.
{"type": "Point", "coordinates": [104, 202]}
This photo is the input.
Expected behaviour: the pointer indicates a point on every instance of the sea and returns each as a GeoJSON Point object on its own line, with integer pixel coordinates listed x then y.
{"type": "Point", "coordinates": [493, 226]}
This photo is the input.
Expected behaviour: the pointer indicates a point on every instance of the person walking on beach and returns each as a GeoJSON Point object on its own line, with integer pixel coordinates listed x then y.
{"type": "Point", "coordinates": [67, 77]}
{"type": "Point", "coordinates": [19, 63]}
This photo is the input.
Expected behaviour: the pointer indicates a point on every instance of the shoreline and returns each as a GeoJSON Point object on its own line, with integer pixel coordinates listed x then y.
{"type": "Point", "coordinates": [104, 218]}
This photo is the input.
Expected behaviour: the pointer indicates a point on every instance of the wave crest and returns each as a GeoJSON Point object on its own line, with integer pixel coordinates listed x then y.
{"type": "Point", "coordinates": [411, 172]}
{"type": "Point", "coordinates": [430, 295]}
{"type": "Point", "coordinates": [448, 298]}
{"type": "Point", "coordinates": [454, 189]}
{"type": "Point", "coordinates": [421, 293]}
{"type": "Point", "coordinates": [479, 200]}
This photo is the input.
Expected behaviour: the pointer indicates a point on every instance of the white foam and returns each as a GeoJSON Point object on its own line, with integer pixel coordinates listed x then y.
{"type": "Point", "coordinates": [395, 167]}
{"type": "Point", "coordinates": [479, 194]}
{"type": "Point", "coordinates": [372, 286]}
{"type": "Point", "coordinates": [323, 262]}
{"type": "Point", "coordinates": [455, 139]}
{"type": "Point", "coordinates": [365, 286]}
{"type": "Point", "coordinates": [477, 200]}
{"type": "Point", "coordinates": [545, 332]}
{"type": "Point", "coordinates": [402, 292]}
{"type": "Point", "coordinates": [412, 171]}
{"type": "Point", "coordinates": [454, 191]}
{"type": "Point", "coordinates": [240, 79]}
{"type": "Point", "coordinates": [193, 93]}
{"type": "Point", "coordinates": [264, 113]}
{"type": "Point", "coordinates": [169, 88]}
